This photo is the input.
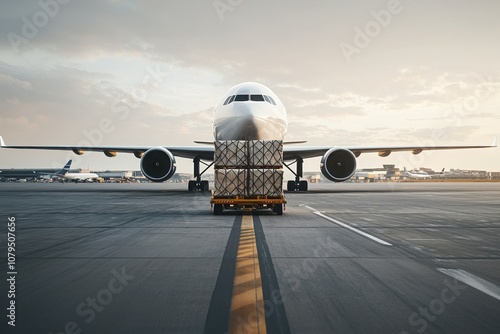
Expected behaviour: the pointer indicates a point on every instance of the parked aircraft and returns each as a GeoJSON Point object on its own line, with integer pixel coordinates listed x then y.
{"type": "Point", "coordinates": [63, 173]}
{"type": "Point", "coordinates": [418, 174]}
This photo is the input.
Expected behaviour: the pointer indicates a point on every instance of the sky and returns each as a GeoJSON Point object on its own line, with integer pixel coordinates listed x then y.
{"type": "Point", "coordinates": [127, 72]}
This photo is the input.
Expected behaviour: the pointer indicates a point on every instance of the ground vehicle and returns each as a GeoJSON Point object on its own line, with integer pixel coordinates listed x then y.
{"type": "Point", "coordinates": [248, 174]}
{"type": "Point", "coordinates": [277, 204]}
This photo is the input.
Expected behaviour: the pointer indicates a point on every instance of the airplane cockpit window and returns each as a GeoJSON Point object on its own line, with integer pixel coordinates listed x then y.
{"type": "Point", "coordinates": [253, 97]}
{"type": "Point", "coordinates": [272, 100]}
{"type": "Point", "coordinates": [241, 98]}
{"type": "Point", "coordinates": [256, 98]}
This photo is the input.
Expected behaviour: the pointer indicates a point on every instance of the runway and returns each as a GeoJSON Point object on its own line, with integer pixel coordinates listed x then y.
{"type": "Point", "coordinates": [344, 258]}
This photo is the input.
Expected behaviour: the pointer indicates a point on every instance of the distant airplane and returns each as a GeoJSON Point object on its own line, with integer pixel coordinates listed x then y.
{"type": "Point", "coordinates": [452, 174]}
{"type": "Point", "coordinates": [419, 174]}
{"type": "Point", "coordinates": [63, 173]}
{"type": "Point", "coordinates": [248, 111]}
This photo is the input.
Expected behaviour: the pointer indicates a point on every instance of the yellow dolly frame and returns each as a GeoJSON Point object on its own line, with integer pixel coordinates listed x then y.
{"type": "Point", "coordinates": [277, 204]}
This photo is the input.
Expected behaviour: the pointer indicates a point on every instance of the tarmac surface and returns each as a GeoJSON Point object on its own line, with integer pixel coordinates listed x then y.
{"type": "Point", "coordinates": [344, 258]}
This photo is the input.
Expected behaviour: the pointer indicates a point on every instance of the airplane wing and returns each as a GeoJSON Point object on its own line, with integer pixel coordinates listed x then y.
{"type": "Point", "coordinates": [190, 152]}
{"type": "Point", "coordinates": [207, 152]}
{"type": "Point", "coordinates": [294, 152]}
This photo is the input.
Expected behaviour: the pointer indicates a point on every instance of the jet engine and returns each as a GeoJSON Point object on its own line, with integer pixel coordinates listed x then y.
{"type": "Point", "coordinates": [158, 164]}
{"type": "Point", "coordinates": [338, 164]}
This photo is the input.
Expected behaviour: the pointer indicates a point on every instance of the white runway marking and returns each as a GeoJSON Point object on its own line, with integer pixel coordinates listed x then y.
{"type": "Point", "coordinates": [380, 241]}
{"type": "Point", "coordinates": [473, 281]}
{"type": "Point", "coordinates": [307, 206]}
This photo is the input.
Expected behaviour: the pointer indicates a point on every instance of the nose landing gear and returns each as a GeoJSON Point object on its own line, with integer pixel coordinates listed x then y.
{"type": "Point", "coordinates": [297, 184]}
{"type": "Point", "coordinates": [199, 184]}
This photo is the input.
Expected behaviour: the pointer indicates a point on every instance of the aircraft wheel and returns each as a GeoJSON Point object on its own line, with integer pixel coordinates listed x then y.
{"type": "Point", "coordinates": [290, 186]}
{"type": "Point", "coordinates": [303, 185]}
{"type": "Point", "coordinates": [191, 185]}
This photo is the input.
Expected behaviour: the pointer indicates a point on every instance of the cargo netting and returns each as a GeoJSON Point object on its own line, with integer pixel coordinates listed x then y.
{"type": "Point", "coordinates": [248, 154]}
{"type": "Point", "coordinates": [265, 182]}
{"type": "Point", "coordinates": [248, 168]}
{"type": "Point", "coordinates": [230, 182]}
{"type": "Point", "coordinates": [248, 182]}
{"type": "Point", "coordinates": [231, 154]}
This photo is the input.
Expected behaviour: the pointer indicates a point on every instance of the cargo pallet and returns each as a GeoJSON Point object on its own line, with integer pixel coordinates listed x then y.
{"type": "Point", "coordinates": [277, 204]}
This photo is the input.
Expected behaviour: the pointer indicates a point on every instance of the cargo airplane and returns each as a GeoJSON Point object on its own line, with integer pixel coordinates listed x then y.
{"type": "Point", "coordinates": [248, 111]}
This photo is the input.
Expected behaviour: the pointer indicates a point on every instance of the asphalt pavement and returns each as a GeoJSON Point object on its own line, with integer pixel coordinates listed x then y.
{"type": "Point", "coordinates": [344, 258]}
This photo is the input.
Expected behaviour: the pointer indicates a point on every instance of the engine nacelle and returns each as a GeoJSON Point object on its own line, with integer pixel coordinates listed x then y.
{"type": "Point", "coordinates": [338, 164]}
{"type": "Point", "coordinates": [158, 164]}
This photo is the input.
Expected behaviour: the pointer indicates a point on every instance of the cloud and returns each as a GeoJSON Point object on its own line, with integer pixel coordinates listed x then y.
{"type": "Point", "coordinates": [92, 59]}
{"type": "Point", "coordinates": [8, 80]}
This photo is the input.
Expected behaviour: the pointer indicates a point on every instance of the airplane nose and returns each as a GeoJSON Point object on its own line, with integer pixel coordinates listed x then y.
{"type": "Point", "coordinates": [250, 121]}
{"type": "Point", "coordinates": [242, 128]}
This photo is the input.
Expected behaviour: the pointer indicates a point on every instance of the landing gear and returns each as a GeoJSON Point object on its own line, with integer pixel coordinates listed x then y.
{"type": "Point", "coordinates": [300, 186]}
{"type": "Point", "coordinates": [199, 184]}
{"type": "Point", "coordinates": [297, 184]}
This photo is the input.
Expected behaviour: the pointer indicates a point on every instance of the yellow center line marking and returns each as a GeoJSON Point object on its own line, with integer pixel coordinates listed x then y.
{"type": "Point", "coordinates": [247, 303]}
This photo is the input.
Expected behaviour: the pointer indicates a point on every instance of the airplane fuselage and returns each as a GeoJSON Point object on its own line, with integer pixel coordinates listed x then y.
{"type": "Point", "coordinates": [79, 176]}
{"type": "Point", "coordinates": [250, 111]}
{"type": "Point", "coordinates": [418, 175]}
